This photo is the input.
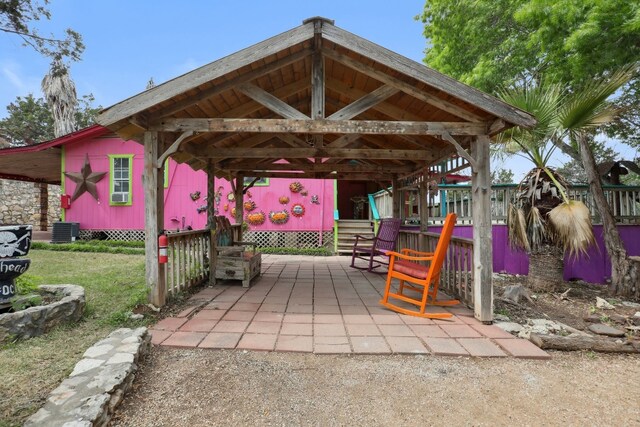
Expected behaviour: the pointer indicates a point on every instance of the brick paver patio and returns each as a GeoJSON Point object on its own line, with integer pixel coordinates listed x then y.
{"type": "Point", "coordinates": [321, 305]}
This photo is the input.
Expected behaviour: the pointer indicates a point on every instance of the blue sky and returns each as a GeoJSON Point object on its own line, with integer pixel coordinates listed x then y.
{"type": "Point", "coordinates": [129, 41]}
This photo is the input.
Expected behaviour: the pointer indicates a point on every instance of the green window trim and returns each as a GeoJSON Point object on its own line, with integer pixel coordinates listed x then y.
{"type": "Point", "coordinates": [112, 159]}
{"type": "Point", "coordinates": [166, 174]}
{"type": "Point", "coordinates": [262, 182]}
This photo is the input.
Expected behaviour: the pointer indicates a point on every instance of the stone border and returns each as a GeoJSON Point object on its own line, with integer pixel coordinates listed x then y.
{"type": "Point", "coordinates": [97, 384]}
{"type": "Point", "coordinates": [35, 321]}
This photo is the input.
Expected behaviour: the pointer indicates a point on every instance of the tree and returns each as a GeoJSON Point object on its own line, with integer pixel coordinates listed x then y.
{"type": "Point", "coordinates": [29, 120]}
{"type": "Point", "coordinates": [574, 115]}
{"type": "Point", "coordinates": [17, 17]}
{"type": "Point", "coordinates": [60, 93]}
{"type": "Point", "coordinates": [493, 44]}
{"type": "Point", "coordinates": [501, 176]}
{"type": "Point", "coordinates": [573, 171]}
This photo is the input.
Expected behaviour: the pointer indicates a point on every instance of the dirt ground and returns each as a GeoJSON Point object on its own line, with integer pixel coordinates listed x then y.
{"type": "Point", "coordinates": [210, 388]}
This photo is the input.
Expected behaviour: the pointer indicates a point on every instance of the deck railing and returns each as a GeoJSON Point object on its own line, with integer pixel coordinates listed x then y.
{"type": "Point", "coordinates": [188, 264]}
{"type": "Point", "coordinates": [456, 276]}
{"type": "Point", "coordinates": [623, 200]}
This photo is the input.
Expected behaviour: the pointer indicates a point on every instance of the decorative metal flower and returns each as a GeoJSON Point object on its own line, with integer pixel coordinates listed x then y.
{"type": "Point", "coordinates": [279, 217]}
{"type": "Point", "coordinates": [256, 218]}
{"type": "Point", "coordinates": [315, 200]}
{"type": "Point", "coordinates": [297, 210]}
{"type": "Point", "coordinates": [296, 187]}
{"type": "Point", "coordinates": [249, 205]}
{"type": "Point", "coordinates": [283, 200]}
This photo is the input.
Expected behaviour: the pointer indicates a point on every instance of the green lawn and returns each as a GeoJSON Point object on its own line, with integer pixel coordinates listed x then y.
{"type": "Point", "coordinates": [113, 284]}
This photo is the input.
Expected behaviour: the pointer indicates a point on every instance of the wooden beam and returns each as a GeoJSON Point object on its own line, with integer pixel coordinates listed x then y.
{"type": "Point", "coordinates": [405, 87]}
{"type": "Point", "coordinates": [302, 153]}
{"type": "Point", "coordinates": [396, 198]}
{"type": "Point", "coordinates": [365, 103]}
{"type": "Point", "coordinates": [154, 219]}
{"type": "Point", "coordinates": [373, 127]}
{"type": "Point", "coordinates": [205, 74]}
{"type": "Point", "coordinates": [426, 75]}
{"type": "Point", "coordinates": [174, 147]}
{"type": "Point", "coordinates": [211, 220]}
{"type": "Point", "coordinates": [461, 151]}
{"type": "Point", "coordinates": [247, 165]}
{"type": "Point", "coordinates": [239, 198]}
{"type": "Point", "coordinates": [317, 81]}
{"type": "Point", "coordinates": [482, 237]}
{"type": "Point", "coordinates": [271, 102]}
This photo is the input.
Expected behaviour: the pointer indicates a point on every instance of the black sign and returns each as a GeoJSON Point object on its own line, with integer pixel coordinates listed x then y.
{"type": "Point", "coordinates": [9, 270]}
{"type": "Point", "coordinates": [15, 240]}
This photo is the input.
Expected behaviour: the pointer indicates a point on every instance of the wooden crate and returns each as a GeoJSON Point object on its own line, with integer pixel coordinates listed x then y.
{"type": "Point", "coordinates": [237, 263]}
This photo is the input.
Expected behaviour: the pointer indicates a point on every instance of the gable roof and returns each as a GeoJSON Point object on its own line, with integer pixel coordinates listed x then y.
{"type": "Point", "coordinates": [315, 91]}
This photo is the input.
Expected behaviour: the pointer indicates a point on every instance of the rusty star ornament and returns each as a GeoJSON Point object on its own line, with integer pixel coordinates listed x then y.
{"type": "Point", "coordinates": [85, 180]}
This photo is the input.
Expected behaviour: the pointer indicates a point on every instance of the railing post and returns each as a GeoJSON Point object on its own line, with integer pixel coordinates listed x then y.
{"type": "Point", "coordinates": [423, 208]}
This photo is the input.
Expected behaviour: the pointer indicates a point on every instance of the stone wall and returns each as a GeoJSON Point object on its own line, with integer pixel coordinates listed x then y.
{"type": "Point", "coordinates": [20, 203]}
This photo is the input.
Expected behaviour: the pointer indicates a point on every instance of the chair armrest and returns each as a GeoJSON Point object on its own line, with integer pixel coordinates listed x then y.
{"type": "Point", "coordinates": [252, 244]}
{"type": "Point", "coordinates": [412, 252]}
{"type": "Point", "coordinates": [393, 254]}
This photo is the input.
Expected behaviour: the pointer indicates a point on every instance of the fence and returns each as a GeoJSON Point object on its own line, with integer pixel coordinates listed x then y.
{"type": "Point", "coordinates": [456, 276]}
{"type": "Point", "coordinates": [188, 264]}
{"type": "Point", "coordinates": [623, 200]}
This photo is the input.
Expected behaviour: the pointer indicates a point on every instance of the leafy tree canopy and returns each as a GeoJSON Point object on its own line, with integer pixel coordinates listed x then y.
{"type": "Point", "coordinates": [497, 43]}
{"type": "Point", "coordinates": [502, 176]}
{"type": "Point", "coordinates": [18, 17]}
{"type": "Point", "coordinates": [29, 120]}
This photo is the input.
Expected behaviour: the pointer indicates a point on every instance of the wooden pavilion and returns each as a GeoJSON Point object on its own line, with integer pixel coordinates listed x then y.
{"type": "Point", "coordinates": [319, 102]}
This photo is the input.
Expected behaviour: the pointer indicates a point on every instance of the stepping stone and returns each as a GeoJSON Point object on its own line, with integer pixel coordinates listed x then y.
{"type": "Point", "coordinates": [602, 329]}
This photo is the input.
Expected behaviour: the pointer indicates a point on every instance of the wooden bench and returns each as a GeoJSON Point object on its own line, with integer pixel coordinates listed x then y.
{"type": "Point", "coordinates": [236, 260]}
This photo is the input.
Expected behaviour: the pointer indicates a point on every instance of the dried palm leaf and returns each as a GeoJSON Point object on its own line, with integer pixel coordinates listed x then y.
{"type": "Point", "coordinates": [536, 228]}
{"type": "Point", "coordinates": [572, 227]}
{"type": "Point", "coordinates": [517, 228]}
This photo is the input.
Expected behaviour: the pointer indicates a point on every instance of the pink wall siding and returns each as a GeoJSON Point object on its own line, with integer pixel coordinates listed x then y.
{"type": "Point", "coordinates": [180, 209]}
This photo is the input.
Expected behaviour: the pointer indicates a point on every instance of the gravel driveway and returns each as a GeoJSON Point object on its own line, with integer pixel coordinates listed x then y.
{"type": "Point", "coordinates": [178, 387]}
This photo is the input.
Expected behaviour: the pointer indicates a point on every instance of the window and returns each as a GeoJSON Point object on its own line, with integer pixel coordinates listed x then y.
{"type": "Point", "coordinates": [261, 182]}
{"type": "Point", "coordinates": [120, 179]}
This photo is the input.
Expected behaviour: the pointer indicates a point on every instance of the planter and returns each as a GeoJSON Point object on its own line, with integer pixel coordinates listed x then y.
{"type": "Point", "coordinates": [15, 240]}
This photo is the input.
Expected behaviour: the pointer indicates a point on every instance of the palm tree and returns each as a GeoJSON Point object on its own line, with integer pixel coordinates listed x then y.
{"type": "Point", "coordinates": [60, 94]}
{"type": "Point", "coordinates": [542, 219]}
{"type": "Point", "coordinates": [574, 116]}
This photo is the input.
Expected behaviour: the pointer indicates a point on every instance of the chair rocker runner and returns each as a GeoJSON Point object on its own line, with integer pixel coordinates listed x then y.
{"type": "Point", "coordinates": [372, 249]}
{"type": "Point", "coordinates": [418, 278]}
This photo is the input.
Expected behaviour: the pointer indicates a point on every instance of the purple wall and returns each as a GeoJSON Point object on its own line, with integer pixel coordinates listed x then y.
{"type": "Point", "coordinates": [593, 268]}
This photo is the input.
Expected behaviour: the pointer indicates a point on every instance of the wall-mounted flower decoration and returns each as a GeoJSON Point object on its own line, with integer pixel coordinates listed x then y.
{"type": "Point", "coordinates": [225, 207]}
{"type": "Point", "coordinates": [249, 205]}
{"type": "Point", "coordinates": [230, 196]}
{"type": "Point", "coordinates": [315, 200]}
{"type": "Point", "coordinates": [279, 217]}
{"type": "Point", "coordinates": [256, 218]}
{"type": "Point", "coordinates": [202, 208]}
{"type": "Point", "coordinates": [283, 200]}
{"type": "Point", "coordinates": [233, 212]}
{"type": "Point", "coordinates": [296, 187]}
{"type": "Point", "coordinates": [249, 195]}
{"type": "Point", "coordinates": [195, 195]}
{"type": "Point", "coordinates": [304, 192]}
{"type": "Point", "coordinates": [218, 195]}
{"type": "Point", "coordinates": [297, 210]}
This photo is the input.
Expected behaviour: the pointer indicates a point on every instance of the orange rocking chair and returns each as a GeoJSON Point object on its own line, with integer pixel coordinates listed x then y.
{"type": "Point", "coordinates": [419, 278]}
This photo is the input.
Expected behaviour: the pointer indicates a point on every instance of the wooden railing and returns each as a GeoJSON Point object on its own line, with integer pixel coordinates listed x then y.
{"type": "Point", "coordinates": [623, 200]}
{"type": "Point", "coordinates": [456, 276]}
{"type": "Point", "coordinates": [188, 263]}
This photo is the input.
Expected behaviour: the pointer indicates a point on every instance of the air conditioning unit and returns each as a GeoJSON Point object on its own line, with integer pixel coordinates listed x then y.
{"type": "Point", "coordinates": [119, 197]}
{"type": "Point", "coordinates": [65, 232]}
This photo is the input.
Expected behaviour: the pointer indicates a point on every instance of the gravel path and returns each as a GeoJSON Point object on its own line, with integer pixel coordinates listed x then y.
{"type": "Point", "coordinates": [209, 388]}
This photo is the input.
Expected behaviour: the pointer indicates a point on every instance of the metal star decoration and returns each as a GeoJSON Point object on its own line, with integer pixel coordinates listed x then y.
{"type": "Point", "coordinates": [85, 180]}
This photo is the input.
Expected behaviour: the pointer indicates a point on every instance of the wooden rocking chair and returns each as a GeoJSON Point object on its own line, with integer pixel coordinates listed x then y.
{"type": "Point", "coordinates": [371, 249]}
{"type": "Point", "coordinates": [421, 279]}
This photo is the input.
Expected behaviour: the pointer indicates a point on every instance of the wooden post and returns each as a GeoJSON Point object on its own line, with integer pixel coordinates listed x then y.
{"type": "Point", "coordinates": [154, 219]}
{"type": "Point", "coordinates": [239, 196]}
{"type": "Point", "coordinates": [396, 197]}
{"type": "Point", "coordinates": [482, 237]}
{"type": "Point", "coordinates": [211, 220]}
{"type": "Point", "coordinates": [423, 208]}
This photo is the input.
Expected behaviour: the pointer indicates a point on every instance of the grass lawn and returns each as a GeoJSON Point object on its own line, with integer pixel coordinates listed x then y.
{"type": "Point", "coordinates": [113, 283]}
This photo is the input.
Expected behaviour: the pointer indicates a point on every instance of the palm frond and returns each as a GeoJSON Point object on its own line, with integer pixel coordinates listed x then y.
{"type": "Point", "coordinates": [588, 108]}
{"type": "Point", "coordinates": [536, 229]}
{"type": "Point", "coordinates": [571, 225]}
{"type": "Point", "coordinates": [517, 228]}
